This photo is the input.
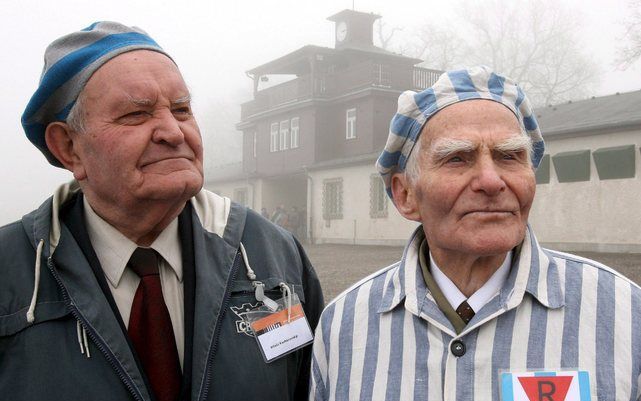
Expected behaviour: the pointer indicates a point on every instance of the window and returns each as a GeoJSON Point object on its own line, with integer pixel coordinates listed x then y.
{"type": "Point", "coordinates": [333, 199]}
{"type": "Point", "coordinates": [377, 197]}
{"type": "Point", "coordinates": [273, 139]}
{"type": "Point", "coordinates": [350, 124]}
{"type": "Point", "coordinates": [294, 132]}
{"type": "Point", "coordinates": [240, 196]}
{"type": "Point", "coordinates": [284, 133]}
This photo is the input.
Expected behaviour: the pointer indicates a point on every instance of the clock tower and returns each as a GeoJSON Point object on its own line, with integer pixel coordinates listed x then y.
{"type": "Point", "coordinates": [354, 28]}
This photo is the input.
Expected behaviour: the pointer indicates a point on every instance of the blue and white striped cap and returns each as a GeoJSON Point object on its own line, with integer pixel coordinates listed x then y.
{"type": "Point", "coordinates": [69, 63]}
{"type": "Point", "coordinates": [415, 109]}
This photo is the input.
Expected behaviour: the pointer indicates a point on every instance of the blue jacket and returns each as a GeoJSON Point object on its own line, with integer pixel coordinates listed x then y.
{"type": "Point", "coordinates": [60, 339]}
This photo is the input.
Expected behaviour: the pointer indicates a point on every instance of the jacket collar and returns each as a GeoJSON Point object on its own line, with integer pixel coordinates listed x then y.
{"type": "Point", "coordinates": [44, 222]}
{"type": "Point", "coordinates": [533, 271]}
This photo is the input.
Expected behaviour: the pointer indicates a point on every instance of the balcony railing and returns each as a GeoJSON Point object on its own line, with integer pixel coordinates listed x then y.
{"type": "Point", "coordinates": [364, 75]}
{"type": "Point", "coordinates": [424, 78]}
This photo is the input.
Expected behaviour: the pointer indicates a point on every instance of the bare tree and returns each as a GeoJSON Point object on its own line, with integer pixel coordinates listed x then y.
{"type": "Point", "coordinates": [385, 35]}
{"type": "Point", "coordinates": [534, 43]}
{"type": "Point", "coordinates": [440, 48]}
{"type": "Point", "coordinates": [631, 52]}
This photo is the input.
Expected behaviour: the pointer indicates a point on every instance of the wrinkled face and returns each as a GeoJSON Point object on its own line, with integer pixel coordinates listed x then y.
{"type": "Point", "coordinates": [141, 142]}
{"type": "Point", "coordinates": [476, 182]}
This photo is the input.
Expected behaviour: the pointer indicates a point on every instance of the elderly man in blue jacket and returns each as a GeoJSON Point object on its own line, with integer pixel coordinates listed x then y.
{"type": "Point", "coordinates": [132, 282]}
{"type": "Point", "coordinates": [476, 309]}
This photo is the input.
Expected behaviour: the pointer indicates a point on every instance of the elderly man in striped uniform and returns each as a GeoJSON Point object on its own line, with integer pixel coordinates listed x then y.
{"type": "Point", "coordinates": [476, 309]}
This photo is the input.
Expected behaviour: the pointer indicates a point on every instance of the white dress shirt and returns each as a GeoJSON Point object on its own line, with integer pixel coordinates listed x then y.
{"type": "Point", "coordinates": [481, 296]}
{"type": "Point", "coordinates": [113, 250]}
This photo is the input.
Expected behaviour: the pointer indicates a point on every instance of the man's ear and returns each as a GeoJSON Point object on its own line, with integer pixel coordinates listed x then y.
{"type": "Point", "coordinates": [60, 141]}
{"type": "Point", "coordinates": [405, 197]}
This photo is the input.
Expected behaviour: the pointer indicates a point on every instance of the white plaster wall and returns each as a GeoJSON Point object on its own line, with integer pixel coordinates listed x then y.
{"type": "Point", "coordinates": [227, 189]}
{"type": "Point", "coordinates": [356, 226]}
{"type": "Point", "coordinates": [594, 215]}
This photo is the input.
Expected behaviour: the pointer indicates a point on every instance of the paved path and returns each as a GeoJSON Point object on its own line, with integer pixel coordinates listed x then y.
{"type": "Point", "coordinates": [340, 266]}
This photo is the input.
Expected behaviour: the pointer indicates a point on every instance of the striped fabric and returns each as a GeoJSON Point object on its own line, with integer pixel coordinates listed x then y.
{"type": "Point", "coordinates": [385, 338]}
{"type": "Point", "coordinates": [414, 109]}
{"type": "Point", "coordinates": [69, 63]}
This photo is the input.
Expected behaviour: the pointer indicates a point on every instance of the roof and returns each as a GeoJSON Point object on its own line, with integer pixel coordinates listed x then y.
{"type": "Point", "coordinates": [297, 62]}
{"type": "Point", "coordinates": [371, 49]}
{"type": "Point", "coordinates": [621, 110]}
{"type": "Point", "coordinates": [341, 15]}
{"type": "Point", "coordinates": [287, 64]}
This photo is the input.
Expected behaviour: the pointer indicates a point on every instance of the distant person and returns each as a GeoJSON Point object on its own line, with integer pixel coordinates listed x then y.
{"type": "Point", "coordinates": [476, 309]}
{"type": "Point", "coordinates": [131, 281]}
{"type": "Point", "coordinates": [293, 221]}
{"type": "Point", "coordinates": [264, 213]}
{"type": "Point", "coordinates": [279, 217]}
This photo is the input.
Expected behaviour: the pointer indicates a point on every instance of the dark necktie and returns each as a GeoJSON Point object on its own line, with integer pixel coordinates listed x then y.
{"type": "Point", "coordinates": [465, 311]}
{"type": "Point", "coordinates": [150, 328]}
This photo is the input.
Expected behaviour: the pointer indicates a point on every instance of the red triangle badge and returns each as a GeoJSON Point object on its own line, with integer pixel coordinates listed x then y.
{"type": "Point", "coordinates": [546, 388]}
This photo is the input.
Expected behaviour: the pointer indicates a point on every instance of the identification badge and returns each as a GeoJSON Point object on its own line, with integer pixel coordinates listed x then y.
{"type": "Point", "coordinates": [570, 385]}
{"type": "Point", "coordinates": [281, 331]}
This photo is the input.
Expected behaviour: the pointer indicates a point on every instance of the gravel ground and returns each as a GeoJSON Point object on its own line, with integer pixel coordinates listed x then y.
{"type": "Point", "coordinates": [340, 266]}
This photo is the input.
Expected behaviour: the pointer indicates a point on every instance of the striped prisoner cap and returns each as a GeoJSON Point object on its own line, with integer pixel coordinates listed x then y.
{"type": "Point", "coordinates": [69, 63]}
{"type": "Point", "coordinates": [415, 109]}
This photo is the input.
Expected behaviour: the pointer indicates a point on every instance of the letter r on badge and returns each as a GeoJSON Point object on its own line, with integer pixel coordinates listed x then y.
{"type": "Point", "coordinates": [546, 390]}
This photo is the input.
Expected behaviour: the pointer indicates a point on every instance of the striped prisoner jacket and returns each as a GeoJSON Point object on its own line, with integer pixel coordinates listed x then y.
{"type": "Point", "coordinates": [386, 339]}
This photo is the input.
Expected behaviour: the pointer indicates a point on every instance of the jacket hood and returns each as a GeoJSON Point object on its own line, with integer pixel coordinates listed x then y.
{"type": "Point", "coordinates": [43, 227]}
{"type": "Point", "coordinates": [44, 223]}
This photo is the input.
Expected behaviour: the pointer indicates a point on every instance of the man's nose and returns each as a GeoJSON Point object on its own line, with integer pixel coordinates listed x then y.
{"type": "Point", "coordinates": [488, 177]}
{"type": "Point", "coordinates": [167, 129]}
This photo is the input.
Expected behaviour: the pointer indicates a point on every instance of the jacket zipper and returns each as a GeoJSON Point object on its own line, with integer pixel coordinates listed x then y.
{"type": "Point", "coordinates": [113, 361]}
{"type": "Point", "coordinates": [214, 346]}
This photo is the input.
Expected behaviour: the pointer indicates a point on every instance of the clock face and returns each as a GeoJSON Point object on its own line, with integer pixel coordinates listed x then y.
{"type": "Point", "coordinates": [341, 31]}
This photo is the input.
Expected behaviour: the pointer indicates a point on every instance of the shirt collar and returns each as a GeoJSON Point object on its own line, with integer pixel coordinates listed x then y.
{"type": "Point", "coordinates": [114, 249]}
{"type": "Point", "coordinates": [168, 246]}
{"type": "Point", "coordinates": [481, 296]}
{"type": "Point", "coordinates": [533, 271]}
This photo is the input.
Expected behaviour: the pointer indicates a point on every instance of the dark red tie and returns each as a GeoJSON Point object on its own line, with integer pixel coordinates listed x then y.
{"type": "Point", "coordinates": [150, 328]}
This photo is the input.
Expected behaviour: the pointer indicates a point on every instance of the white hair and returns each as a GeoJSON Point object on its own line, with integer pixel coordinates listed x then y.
{"type": "Point", "coordinates": [76, 116]}
{"type": "Point", "coordinates": [412, 167]}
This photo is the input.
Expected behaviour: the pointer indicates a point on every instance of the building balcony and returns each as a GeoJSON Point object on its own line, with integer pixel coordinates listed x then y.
{"type": "Point", "coordinates": [368, 74]}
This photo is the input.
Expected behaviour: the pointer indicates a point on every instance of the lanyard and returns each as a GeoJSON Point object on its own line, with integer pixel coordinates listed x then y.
{"type": "Point", "coordinates": [259, 287]}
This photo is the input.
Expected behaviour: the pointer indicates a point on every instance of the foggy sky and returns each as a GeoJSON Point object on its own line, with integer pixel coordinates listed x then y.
{"type": "Point", "coordinates": [214, 43]}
